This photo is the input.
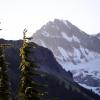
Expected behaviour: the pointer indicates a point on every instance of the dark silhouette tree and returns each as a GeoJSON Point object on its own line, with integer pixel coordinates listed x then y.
{"type": "Point", "coordinates": [4, 82]}
{"type": "Point", "coordinates": [29, 89]}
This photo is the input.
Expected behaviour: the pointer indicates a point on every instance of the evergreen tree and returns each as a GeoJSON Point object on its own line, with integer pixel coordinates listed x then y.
{"type": "Point", "coordinates": [4, 83]}
{"type": "Point", "coordinates": [29, 89]}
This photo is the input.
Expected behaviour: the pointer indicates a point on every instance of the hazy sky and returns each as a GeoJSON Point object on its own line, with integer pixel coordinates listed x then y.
{"type": "Point", "coordinates": [15, 15]}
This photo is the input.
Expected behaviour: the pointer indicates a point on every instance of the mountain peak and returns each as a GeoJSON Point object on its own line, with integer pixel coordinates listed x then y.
{"type": "Point", "coordinates": [56, 27]}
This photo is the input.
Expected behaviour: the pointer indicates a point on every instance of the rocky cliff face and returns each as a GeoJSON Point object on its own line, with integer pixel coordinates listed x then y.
{"type": "Point", "coordinates": [74, 50]}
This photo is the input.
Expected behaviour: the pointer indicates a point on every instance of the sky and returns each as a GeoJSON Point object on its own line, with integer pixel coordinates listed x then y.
{"type": "Point", "coordinates": [15, 15]}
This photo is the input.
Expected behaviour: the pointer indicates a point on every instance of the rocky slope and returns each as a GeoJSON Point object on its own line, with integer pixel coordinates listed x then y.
{"type": "Point", "coordinates": [72, 47]}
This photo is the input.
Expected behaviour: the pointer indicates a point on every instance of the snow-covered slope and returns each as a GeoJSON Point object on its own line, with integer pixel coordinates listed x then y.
{"type": "Point", "coordinates": [87, 74]}
{"type": "Point", "coordinates": [72, 48]}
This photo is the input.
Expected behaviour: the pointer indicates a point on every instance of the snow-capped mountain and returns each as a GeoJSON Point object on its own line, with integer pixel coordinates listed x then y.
{"type": "Point", "coordinates": [74, 50]}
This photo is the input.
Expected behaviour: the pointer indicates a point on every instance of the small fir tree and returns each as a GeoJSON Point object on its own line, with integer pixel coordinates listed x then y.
{"type": "Point", "coordinates": [4, 83]}
{"type": "Point", "coordinates": [29, 89]}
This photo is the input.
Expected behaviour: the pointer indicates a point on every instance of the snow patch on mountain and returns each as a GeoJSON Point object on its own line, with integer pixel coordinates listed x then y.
{"type": "Point", "coordinates": [70, 39]}
{"type": "Point", "coordinates": [40, 42]}
{"type": "Point", "coordinates": [89, 54]}
{"type": "Point", "coordinates": [75, 39]}
{"type": "Point", "coordinates": [95, 89]}
{"type": "Point", "coordinates": [84, 72]}
{"type": "Point", "coordinates": [93, 65]}
{"type": "Point", "coordinates": [64, 35]}
{"type": "Point", "coordinates": [63, 52]}
{"type": "Point", "coordinates": [77, 55]}
{"type": "Point", "coordinates": [46, 34]}
{"type": "Point", "coordinates": [66, 23]}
